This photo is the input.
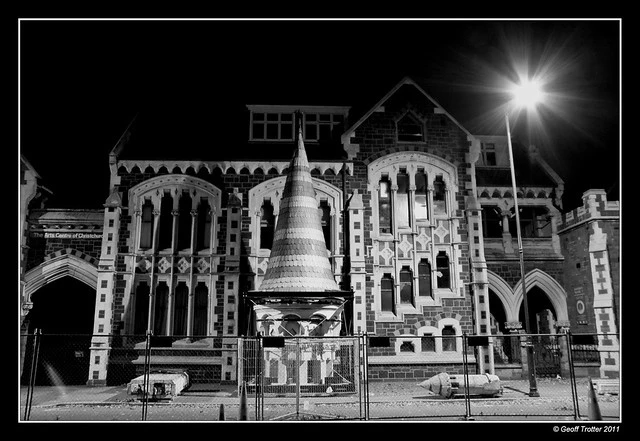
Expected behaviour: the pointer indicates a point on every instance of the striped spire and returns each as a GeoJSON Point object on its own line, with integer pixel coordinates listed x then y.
{"type": "Point", "coordinates": [299, 259]}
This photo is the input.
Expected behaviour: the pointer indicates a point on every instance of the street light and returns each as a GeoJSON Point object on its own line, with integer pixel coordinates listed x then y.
{"type": "Point", "coordinates": [526, 94]}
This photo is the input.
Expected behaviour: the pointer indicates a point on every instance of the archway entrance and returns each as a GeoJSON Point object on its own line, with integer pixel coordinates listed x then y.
{"type": "Point", "coordinates": [542, 319]}
{"type": "Point", "coordinates": [506, 347]}
{"type": "Point", "coordinates": [63, 310]}
{"type": "Point", "coordinates": [542, 314]}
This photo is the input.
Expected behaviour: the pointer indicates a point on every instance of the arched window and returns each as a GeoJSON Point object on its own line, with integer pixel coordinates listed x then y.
{"type": "Point", "coordinates": [326, 222]}
{"type": "Point", "coordinates": [406, 285]}
{"type": "Point", "coordinates": [180, 309]}
{"type": "Point", "coordinates": [142, 309]}
{"type": "Point", "coordinates": [424, 279]}
{"type": "Point", "coordinates": [384, 205]}
{"type": "Point", "coordinates": [439, 199]}
{"type": "Point", "coordinates": [449, 339]}
{"type": "Point", "coordinates": [290, 325]}
{"type": "Point", "coordinates": [166, 222]}
{"type": "Point", "coordinates": [402, 199]}
{"type": "Point", "coordinates": [427, 343]}
{"type": "Point", "coordinates": [160, 310]}
{"type": "Point", "coordinates": [201, 297]}
{"type": "Point", "coordinates": [184, 221]}
{"type": "Point", "coordinates": [267, 224]}
{"type": "Point", "coordinates": [442, 266]}
{"type": "Point", "coordinates": [407, 346]}
{"type": "Point", "coordinates": [386, 293]}
{"type": "Point", "coordinates": [420, 202]}
{"type": "Point", "coordinates": [203, 228]}
{"type": "Point", "coordinates": [146, 226]}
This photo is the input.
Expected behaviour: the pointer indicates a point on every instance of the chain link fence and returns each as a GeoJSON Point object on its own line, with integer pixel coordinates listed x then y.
{"type": "Point", "coordinates": [364, 377]}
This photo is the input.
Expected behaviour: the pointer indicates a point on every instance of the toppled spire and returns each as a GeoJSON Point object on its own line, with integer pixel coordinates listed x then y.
{"type": "Point", "coordinates": [299, 259]}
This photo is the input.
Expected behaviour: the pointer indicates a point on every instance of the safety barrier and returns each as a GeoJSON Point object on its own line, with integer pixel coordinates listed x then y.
{"type": "Point", "coordinates": [363, 377]}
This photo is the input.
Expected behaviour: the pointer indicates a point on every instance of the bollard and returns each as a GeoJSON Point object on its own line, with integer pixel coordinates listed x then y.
{"type": "Point", "coordinates": [243, 402]}
{"type": "Point", "coordinates": [449, 386]}
{"type": "Point", "coordinates": [221, 416]}
{"type": "Point", "coordinates": [594, 407]}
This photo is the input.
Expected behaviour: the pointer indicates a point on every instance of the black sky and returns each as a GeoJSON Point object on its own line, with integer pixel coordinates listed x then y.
{"type": "Point", "coordinates": [81, 82]}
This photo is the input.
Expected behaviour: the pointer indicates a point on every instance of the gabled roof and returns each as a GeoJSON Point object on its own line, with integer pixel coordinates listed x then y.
{"type": "Point", "coordinates": [404, 81]}
{"type": "Point", "coordinates": [28, 166]}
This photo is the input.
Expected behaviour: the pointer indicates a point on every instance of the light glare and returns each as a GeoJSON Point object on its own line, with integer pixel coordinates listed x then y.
{"type": "Point", "coordinates": [527, 94]}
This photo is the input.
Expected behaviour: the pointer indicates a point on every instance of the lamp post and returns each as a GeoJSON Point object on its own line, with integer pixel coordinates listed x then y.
{"type": "Point", "coordinates": [525, 94]}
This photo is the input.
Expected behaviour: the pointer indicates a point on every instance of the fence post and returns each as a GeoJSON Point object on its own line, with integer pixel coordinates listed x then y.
{"type": "Point", "coordinates": [259, 380]}
{"type": "Point", "coordinates": [32, 373]}
{"type": "Point", "coordinates": [572, 376]}
{"type": "Point", "coordinates": [365, 353]}
{"type": "Point", "coordinates": [146, 374]}
{"type": "Point", "coordinates": [465, 369]}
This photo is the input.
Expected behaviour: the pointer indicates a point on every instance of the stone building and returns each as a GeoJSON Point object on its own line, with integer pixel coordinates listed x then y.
{"type": "Point", "coordinates": [590, 239]}
{"type": "Point", "coordinates": [415, 212]}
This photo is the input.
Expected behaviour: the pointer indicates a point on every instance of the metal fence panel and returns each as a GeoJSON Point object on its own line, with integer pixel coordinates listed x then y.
{"type": "Point", "coordinates": [404, 375]}
{"type": "Point", "coordinates": [183, 378]}
{"type": "Point", "coordinates": [301, 378]}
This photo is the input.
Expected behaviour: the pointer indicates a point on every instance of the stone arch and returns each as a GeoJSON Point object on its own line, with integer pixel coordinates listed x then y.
{"type": "Point", "coordinates": [554, 291]}
{"type": "Point", "coordinates": [275, 186]}
{"type": "Point", "coordinates": [504, 292]}
{"type": "Point", "coordinates": [71, 263]}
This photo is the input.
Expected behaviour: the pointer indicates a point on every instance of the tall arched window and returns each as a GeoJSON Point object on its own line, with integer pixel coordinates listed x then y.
{"type": "Point", "coordinates": [180, 309]}
{"type": "Point", "coordinates": [201, 297]}
{"type": "Point", "coordinates": [203, 228]}
{"type": "Point", "coordinates": [326, 222]}
{"type": "Point", "coordinates": [267, 224]}
{"type": "Point", "coordinates": [184, 221]}
{"type": "Point", "coordinates": [386, 293]}
{"type": "Point", "coordinates": [142, 309]}
{"type": "Point", "coordinates": [146, 226]}
{"type": "Point", "coordinates": [166, 222]}
{"type": "Point", "coordinates": [442, 266]}
{"type": "Point", "coordinates": [439, 199]}
{"type": "Point", "coordinates": [424, 279]}
{"type": "Point", "coordinates": [420, 202]}
{"type": "Point", "coordinates": [406, 285]}
{"type": "Point", "coordinates": [384, 205]}
{"type": "Point", "coordinates": [402, 199]}
{"type": "Point", "coordinates": [160, 310]}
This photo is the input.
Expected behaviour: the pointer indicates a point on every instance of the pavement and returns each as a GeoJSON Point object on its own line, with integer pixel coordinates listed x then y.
{"type": "Point", "coordinates": [379, 391]}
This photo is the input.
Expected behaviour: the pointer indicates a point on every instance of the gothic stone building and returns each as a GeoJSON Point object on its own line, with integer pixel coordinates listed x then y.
{"type": "Point", "coordinates": [416, 214]}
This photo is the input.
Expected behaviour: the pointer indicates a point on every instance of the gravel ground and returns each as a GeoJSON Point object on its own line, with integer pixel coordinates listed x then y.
{"type": "Point", "coordinates": [388, 400]}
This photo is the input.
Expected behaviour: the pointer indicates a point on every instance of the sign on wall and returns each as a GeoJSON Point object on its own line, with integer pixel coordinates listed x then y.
{"type": "Point", "coordinates": [39, 234]}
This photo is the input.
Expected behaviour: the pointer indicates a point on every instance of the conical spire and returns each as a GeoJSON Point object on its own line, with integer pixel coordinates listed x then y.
{"type": "Point", "coordinates": [299, 259]}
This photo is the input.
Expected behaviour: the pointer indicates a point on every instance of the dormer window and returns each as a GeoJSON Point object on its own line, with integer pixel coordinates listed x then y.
{"type": "Point", "coordinates": [488, 153]}
{"type": "Point", "coordinates": [410, 129]}
{"type": "Point", "coordinates": [271, 126]}
{"type": "Point", "coordinates": [319, 126]}
{"type": "Point", "coordinates": [278, 123]}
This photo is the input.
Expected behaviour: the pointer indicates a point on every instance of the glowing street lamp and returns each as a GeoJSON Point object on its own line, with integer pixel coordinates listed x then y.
{"type": "Point", "coordinates": [525, 95]}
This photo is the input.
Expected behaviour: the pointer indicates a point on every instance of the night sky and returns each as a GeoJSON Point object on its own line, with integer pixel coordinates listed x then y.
{"type": "Point", "coordinates": [82, 81]}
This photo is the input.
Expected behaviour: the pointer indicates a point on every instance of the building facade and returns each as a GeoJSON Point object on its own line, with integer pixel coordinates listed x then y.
{"type": "Point", "coordinates": [416, 215]}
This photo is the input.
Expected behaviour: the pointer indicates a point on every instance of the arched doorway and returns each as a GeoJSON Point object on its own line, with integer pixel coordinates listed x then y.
{"type": "Point", "coordinates": [506, 348]}
{"type": "Point", "coordinates": [542, 314]}
{"type": "Point", "coordinates": [542, 318]}
{"type": "Point", "coordinates": [63, 310]}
